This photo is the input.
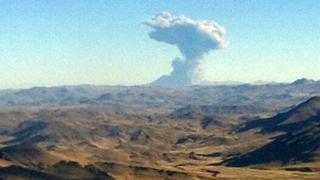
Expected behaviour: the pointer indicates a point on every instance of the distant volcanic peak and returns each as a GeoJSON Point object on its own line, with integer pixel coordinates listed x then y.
{"type": "Point", "coordinates": [193, 38]}
{"type": "Point", "coordinates": [168, 80]}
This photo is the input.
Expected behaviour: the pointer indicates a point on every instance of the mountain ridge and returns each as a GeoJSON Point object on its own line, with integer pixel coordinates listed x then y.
{"type": "Point", "coordinates": [300, 141]}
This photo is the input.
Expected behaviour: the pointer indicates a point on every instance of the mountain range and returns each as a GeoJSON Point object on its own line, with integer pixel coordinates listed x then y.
{"type": "Point", "coordinates": [265, 131]}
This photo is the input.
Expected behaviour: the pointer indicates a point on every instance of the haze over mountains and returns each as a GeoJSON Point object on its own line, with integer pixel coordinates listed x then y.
{"type": "Point", "coordinates": [243, 94]}
{"type": "Point", "coordinates": [142, 132]}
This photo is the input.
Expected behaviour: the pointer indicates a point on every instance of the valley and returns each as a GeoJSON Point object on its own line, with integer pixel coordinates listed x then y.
{"type": "Point", "coordinates": [198, 132]}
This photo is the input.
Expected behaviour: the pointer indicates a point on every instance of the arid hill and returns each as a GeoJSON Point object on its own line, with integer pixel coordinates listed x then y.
{"type": "Point", "coordinates": [299, 141]}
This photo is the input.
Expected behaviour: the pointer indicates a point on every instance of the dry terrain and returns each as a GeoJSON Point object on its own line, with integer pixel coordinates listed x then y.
{"type": "Point", "coordinates": [95, 133]}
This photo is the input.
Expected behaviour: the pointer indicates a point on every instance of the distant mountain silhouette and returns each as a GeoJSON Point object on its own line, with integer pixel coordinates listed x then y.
{"type": "Point", "coordinates": [304, 81]}
{"type": "Point", "coordinates": [244, 98]}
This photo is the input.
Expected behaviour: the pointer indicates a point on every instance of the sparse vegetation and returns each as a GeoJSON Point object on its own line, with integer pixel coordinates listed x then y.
{"type": "Point", "coordinates": [133, 138]}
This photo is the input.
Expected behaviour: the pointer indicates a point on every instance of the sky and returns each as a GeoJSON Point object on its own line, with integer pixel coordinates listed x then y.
{"type": "Point", "coordinates": [104, 42]}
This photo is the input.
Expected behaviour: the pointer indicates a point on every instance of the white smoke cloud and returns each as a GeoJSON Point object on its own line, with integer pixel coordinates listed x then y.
{"type": "Point", "coordinates": [193, 38]}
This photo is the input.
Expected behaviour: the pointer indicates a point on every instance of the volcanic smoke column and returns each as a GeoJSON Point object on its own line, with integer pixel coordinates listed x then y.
{"type": "Point", "coordinates": [193, 38]}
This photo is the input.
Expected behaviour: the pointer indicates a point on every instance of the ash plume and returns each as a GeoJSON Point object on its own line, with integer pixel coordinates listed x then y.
{"type": "Point", "coordinates": [193, 38]}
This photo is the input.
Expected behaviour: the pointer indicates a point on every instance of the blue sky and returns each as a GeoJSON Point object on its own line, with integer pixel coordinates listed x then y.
{"type": "Point", "coordinates": [47, 43]}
